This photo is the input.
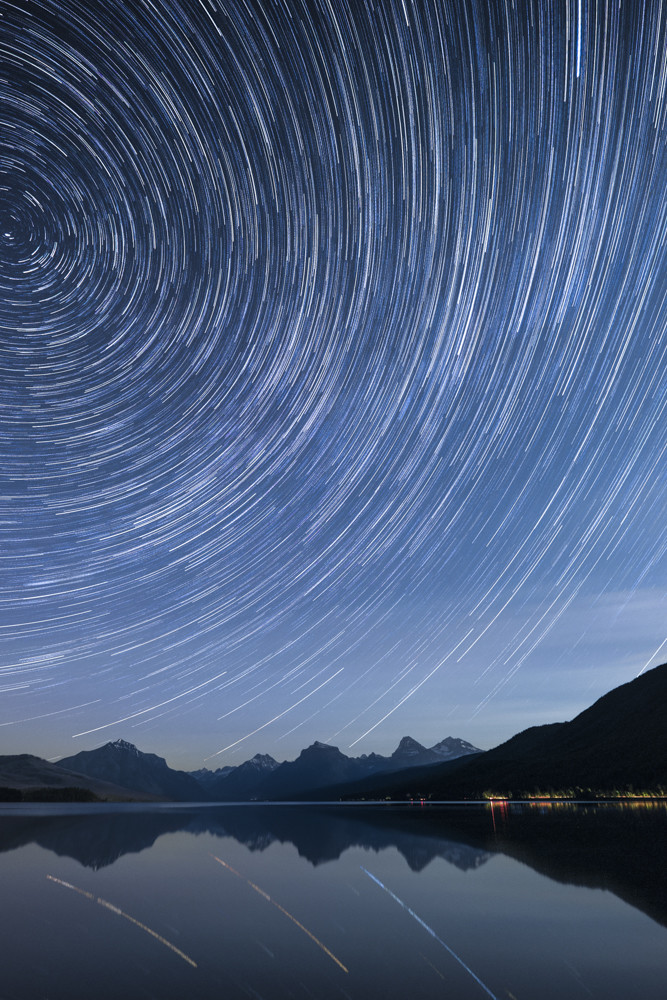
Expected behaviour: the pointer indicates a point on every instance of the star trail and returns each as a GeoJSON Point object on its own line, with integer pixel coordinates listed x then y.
{"type": "Point", "coordinates": [333, 352]}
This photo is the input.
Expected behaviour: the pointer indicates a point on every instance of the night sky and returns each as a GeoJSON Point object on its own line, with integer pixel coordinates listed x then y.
{"type": "Point", "coordinates": [334, 364]}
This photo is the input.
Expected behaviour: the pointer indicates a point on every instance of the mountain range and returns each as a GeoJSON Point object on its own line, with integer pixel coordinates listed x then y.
{"type": "Point", "coordinates": [617, 746]}
{"type": "Point", "coordinates": [119, 767]}
{"type": "Point", "coordinates": [320, 766]}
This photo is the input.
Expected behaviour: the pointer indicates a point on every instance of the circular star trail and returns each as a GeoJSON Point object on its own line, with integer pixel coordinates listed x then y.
{"type": "Point", "coordinates": [333, 341]}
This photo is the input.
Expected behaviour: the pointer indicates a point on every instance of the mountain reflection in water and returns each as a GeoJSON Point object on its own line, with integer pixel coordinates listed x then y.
{"type": "Point", "coordinates": [616, 847]}
{"type": "Point", "coordinates": [332, 902]}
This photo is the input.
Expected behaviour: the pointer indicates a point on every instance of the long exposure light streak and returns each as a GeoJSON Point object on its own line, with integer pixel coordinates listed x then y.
{"type": "Point", "coordinates": [333, 340]}
{"type": "Point", "coordinates": [282, 909]}
{"type": "Point", "coordinates": [126, 916]}
{"type": "Point", "coordinates": [430, 930]}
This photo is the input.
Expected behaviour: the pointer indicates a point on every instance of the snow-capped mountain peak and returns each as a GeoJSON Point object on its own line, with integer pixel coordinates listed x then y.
{"type": "Point", "coordinates": [451, 747]}
{"type": "Point", "coordinates": [124, 745]}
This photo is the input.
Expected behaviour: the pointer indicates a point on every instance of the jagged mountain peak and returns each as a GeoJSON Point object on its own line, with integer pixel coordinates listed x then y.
{"type": "Point", "coordinates": [123, 745]}
{"type": "Point", "coordinates": [264, 761]}
{"type": "Point", "coordinates": [453, 746]}
{"type": "Point", "coordinates": [408, 745]}
{"type": "Point", "coordinates": [319, 747]}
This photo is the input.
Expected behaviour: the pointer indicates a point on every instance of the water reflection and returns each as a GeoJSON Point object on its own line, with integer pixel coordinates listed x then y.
{"type": "Point", "coordinates": [333, 902]}
{"type": "Point", "coordinates": [618, 847]}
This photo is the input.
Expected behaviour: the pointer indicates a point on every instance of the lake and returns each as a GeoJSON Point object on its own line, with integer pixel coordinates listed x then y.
{"type": "Point", "coordinates": [519, 902]}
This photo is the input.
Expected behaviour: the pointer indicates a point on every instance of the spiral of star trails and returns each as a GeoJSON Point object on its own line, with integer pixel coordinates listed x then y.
{"type": "Point", "coordinates": [332, 352]}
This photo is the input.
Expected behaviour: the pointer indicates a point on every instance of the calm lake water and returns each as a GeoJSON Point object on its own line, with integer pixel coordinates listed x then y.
{"type": "Point", "coordinates": [514, 902]}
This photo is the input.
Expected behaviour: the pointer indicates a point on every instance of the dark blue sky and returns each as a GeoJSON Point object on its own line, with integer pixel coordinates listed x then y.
{"type": "Point", "coordinates": [333, 346]}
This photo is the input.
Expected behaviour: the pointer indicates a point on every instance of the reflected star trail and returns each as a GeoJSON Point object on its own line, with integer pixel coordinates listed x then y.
{"type": "Point", "coordinates": [430, 931]}
{"type": "Point", "coordinates": [120, 913]}
{"type": "Point", "coordinates": [282, 909]}
{"type": "Point", "coordinates": [333, 341]}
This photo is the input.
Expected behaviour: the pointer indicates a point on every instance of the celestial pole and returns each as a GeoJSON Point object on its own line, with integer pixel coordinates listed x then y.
{"type": "Point", "coordinates": [333, 340]}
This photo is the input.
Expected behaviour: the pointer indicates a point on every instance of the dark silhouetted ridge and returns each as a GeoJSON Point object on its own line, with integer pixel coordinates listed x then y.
{"type": "Point", "coordinates": [121, 763]}
{"type": "Point", "coordinates": [617, 746]}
